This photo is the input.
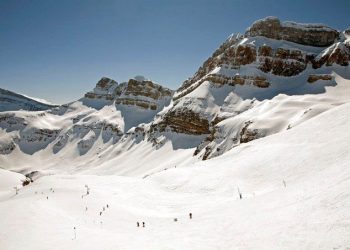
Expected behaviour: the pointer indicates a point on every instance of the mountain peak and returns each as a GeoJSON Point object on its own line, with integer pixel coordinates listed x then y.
{"type": "Point", "coordinates": [138, 92]}
{"type": "Point", "coordinates": [311, 34]}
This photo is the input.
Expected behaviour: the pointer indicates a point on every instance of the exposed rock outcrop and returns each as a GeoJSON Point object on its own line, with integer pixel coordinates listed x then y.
{"type": "Point", "coordinates": [182, 121]}
{"type": "Point", "coordinates": [6, 148]}
{"type": "Point", "coordinates": [138, 92]}
{"type": "Point", "coordinates": [246, 134]}
{"type": "Point", "coordinates": [338, 53]}
{"type": "Point", "coordinates": [9, 122]}
{"type": "Point", "coordinates": [313, 78]}
{"type": "Point", "coordinates": [282, 62]}
{"type": "Point", "coordinates": [105, 84]}
{"type": "Point", "coordinates": [308, 34]}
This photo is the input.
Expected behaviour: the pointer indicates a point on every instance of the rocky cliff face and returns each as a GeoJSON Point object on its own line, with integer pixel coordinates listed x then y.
{"type": "Point", "coordinates": [317, 35]}
{"type": "Point", "coordinates": [138, 92]}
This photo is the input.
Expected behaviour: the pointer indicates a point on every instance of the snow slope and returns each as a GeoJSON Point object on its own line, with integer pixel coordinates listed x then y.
{"type": "Point", "coordinates": [10, 101]}
{"type": "Point", "coordinates": [311, 211]}
{"type": "Point", "coordinates": [90, 141]}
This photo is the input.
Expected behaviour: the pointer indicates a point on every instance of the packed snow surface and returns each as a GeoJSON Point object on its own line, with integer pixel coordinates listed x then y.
{"type": "Point", "coordinates": [294, 188]}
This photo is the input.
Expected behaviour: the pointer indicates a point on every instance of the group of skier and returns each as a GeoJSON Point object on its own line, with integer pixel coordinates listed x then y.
{"type": "Point", "coordinates": [175, 219]}
{"type": "Point", "coordinates": [143, 224]}
{"type": "Point", "coordinates": [103, 209]}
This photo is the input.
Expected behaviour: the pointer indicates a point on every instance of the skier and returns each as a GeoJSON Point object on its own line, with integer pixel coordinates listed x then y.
{"type": "Point", "coordinates": [87, 189]}
{"type": "Point", "coordinates": [107, 206]}
{"type": "Point", "coordinates": [240, 194]}
{"type": "Point", "coordinates": [143, 224]}
{"type": "Point", "coordinates": [75, 234]}
{"type": "Point", "coordinates": [190, 215]}
{"type": "Point", "coordinates": [138, 224]}
{"type": "Point", "coordinates": [100, 213]}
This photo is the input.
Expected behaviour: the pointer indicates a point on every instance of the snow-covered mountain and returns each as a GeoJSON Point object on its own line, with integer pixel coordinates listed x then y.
{"type": "Point", "coordinates": [273, 78]}
{"type": "Point", "coordinates": [294, 186]}
{"type": "Point", "coordinates": [10, 101]}
{"type": "Point", "coordinates": [138, 100]}
{"type": "Point", "coordinates": [108, 111]}
{"type": "Point", "coordinates": [268, 112]}
{"type": "Point", "coordinates": [237, 94]}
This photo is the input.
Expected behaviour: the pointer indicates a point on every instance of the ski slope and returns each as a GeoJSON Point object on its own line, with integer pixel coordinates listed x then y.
{"type": "Point", "coordinates": [311, 211]}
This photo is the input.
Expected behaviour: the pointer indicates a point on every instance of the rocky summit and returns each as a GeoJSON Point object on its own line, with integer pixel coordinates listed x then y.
{"type": "Point", "coordinates": [318, 35]}
{"type": "Point", "coordinates": [137, 91]}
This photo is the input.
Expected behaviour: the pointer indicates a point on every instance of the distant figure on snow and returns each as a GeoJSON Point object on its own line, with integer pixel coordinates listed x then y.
{"type": "Point", "coordinates": [107, 206]}
{"type": "Point", "coordinates": [100, 213]}
{"type": "Point", "coordinates": [16, 190]}
{"type": "Point", "coordinates": [138, 224]}
{"type": "Point", "coordinates": [87, 189]}
{"type": "Point", "coordinates": [190, 215]}
{"type": "Point", "coordinates": [143, 224]}
{"type": "Point", "coordinates": [75, 233]}
{"type": "Point", "coordinates": [240, 194]}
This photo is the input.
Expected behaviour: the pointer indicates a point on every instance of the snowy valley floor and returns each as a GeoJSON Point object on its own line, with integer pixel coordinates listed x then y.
{"type": "Point", "coordinates": [312, 211]}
